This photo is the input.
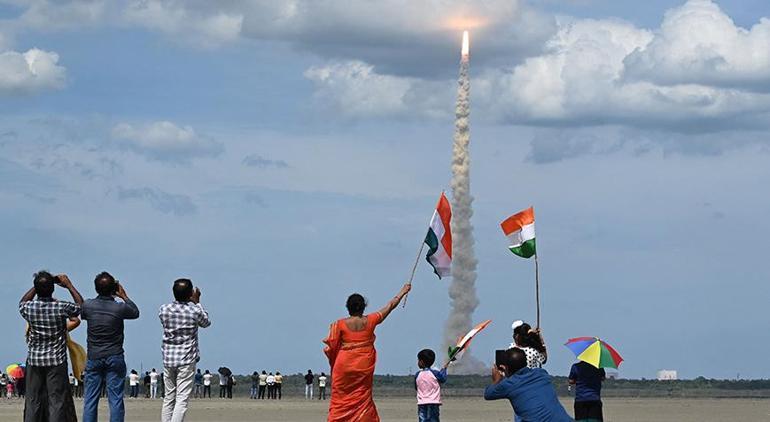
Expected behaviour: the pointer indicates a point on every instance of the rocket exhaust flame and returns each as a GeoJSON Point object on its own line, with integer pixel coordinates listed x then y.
{"type": "Point", "coordinates": [462, 290]}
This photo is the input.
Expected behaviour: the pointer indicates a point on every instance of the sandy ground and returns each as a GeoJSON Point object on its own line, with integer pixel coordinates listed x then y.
{"type": "Point", "coordinates": [455, 409]}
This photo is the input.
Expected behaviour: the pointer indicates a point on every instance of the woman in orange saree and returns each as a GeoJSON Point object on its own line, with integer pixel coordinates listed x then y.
{"type": "Point", "coordinates": [352, 357]}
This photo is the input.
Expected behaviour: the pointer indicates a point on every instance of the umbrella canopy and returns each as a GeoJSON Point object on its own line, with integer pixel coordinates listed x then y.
{"type": "Point", "coordinates": [15, 370]}
{"type": "Point", "coordinates": [594, 351]}
{"type": "Point", "coordinates": [226, 372]}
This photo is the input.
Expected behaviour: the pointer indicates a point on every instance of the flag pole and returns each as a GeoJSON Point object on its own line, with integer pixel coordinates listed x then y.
{"type": "Point", "coordinates": [414, 268]}
{"type": "Point", "coordinates": [537, 290]}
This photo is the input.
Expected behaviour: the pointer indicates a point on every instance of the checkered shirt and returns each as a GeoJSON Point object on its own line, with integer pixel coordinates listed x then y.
{"type": "Point", "coordinates": [180, 321]}
{"type": "Point", "coordinates": [47, 339]}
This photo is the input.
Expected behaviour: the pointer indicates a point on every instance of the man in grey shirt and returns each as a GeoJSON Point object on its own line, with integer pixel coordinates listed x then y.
{"type": "Point", "coordinates": [106, 362]}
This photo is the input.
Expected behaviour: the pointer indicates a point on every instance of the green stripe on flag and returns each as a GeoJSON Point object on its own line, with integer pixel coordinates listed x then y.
{"type": "Point", "coordinates": [432, 241]}
{"type": "Point", "coordinates": [525, 250]}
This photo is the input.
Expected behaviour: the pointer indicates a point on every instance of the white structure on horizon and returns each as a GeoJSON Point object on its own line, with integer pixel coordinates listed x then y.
{"type": "Point", "coordinates": [667, 375]}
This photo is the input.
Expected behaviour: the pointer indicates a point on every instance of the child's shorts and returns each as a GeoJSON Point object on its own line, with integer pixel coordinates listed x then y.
{"type": "Point", "coordinates": [428, 412]}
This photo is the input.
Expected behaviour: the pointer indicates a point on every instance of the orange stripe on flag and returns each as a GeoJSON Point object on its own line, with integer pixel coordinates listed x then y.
{"type": "Point", "coordinates": [517, 221]}
{"type": "Point", "coordinates": [445, 212]}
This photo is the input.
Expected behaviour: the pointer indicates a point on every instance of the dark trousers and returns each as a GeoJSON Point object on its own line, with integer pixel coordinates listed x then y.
{"type": "Point", "coordinates": [21, 387]}
{"type": "Point", "coordinates": [321, 393]}
{"type": "Point", "coordinates": [270, 391]}
{"type": "Point", "coordinates": [588, 410]}
{"type": "Point", "coordinates": [47, 395]}
{"type": "Point", "coordinates": [134, 391]}
{"type": "Point", "coordinates": [428, 412]}
{"type": "Point", "coordinates": [262, 392]}
{"type": "Point", "coordinates": [207, 390]}
{"type": "Point", "coordinates": [278, 390]}
{"type": "Point", "coordinates": [229, 391]}
{"type": "Point", "coordinates": [108, 375]}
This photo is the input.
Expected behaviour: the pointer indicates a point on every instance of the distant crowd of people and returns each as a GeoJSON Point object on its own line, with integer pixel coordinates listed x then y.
{"type": "Point", "coordinates": [11, 387]}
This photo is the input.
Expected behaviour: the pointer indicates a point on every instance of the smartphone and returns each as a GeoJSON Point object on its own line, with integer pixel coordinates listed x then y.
{"type": "Point", "coordinates": [500, 357]}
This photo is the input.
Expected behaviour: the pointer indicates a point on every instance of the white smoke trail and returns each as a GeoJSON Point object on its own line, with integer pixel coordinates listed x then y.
{"type": "Point", "coordinates": [462, 291]}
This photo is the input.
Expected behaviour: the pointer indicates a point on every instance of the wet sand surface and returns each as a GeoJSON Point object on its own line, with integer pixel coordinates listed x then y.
{"type": "Point", "coordinates": [454, 409]}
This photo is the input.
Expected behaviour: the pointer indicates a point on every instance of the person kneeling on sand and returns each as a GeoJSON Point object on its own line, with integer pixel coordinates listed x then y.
{"type": "Point", "coordinates": [529, 390]}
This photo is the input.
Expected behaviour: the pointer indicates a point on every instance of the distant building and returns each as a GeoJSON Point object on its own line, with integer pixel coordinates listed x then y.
{"type": "Point", "coordinates": [612, 375]}
{"type": "Point", "coordinates": [667, 375]}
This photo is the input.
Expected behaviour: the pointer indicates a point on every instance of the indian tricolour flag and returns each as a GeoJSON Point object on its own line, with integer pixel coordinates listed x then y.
{"type": "Point", "coordinates": [439, 239]}
{"type": "Point", "coordinates": [520, 230]}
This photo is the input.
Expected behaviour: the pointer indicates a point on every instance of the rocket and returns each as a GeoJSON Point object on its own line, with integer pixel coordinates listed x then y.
{"type": "Point", "coordinates": [465, 52]}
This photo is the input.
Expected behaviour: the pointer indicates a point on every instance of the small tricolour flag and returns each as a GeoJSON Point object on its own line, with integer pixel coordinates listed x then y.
{"type": "Point", "coordinates": [439, 239]}
{"type": "Point", "coordinates": [456, 352]}
{"type": "Point", "coordinates": [520, 230]}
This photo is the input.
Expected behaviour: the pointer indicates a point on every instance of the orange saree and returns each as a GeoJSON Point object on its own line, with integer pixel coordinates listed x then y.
{"type": "Point", "coordinates": [352, 358]}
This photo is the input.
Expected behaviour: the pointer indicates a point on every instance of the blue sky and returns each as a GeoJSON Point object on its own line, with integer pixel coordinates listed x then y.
{"type": "Point", "coordinates": [284, 155]}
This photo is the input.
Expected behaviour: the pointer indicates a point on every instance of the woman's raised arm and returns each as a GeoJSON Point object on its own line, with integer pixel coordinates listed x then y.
{"type": "Point", "coordinates": [385, 311]}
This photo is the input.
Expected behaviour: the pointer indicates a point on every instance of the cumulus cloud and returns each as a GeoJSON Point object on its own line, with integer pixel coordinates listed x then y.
{"type": "Point", "coordinates": [167, 203]}
{"type": "Point", "coordinates": [50, 15]}
{"type": "Point", "coordinates": [165, 141]}
{"type": "Point", "coordinates": [698, 43]}
{"type": "Point", "coordinates": [202, 22]}
{"type": "Point", "coordinates": [403, 37]}
{"type": "Point", "coordinates": [583, 80]}
{"type": "Point", "coordinates": [258, 161]}
{"type": "Point", "coordinates": [596, 72]}
{"type": "Point", "coordinates": [30, 72]}
{"type": "Point", "coordinates": [355, 89]}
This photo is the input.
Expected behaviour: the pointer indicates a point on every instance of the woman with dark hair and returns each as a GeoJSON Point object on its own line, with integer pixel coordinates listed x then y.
{"type": "Point", "coordinates": [352, 357]}
{"type": "Point", "coordinates": [531, 342]}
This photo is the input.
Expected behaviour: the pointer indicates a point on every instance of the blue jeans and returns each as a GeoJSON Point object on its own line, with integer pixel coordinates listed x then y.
{"type": "Point", "coordinates": [113, 370]}
{"type": "Point", "coordinates": [428, 412]}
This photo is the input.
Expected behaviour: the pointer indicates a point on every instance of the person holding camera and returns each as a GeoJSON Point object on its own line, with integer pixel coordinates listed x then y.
{"type": "Point", "coordinates": [47, 383]}
{"type": "Point", "coordinates": [106, 362]}
{"type": "Point", "coordinates": [180, 320]}
{"type": "Point", "coordinates": [529, 390]}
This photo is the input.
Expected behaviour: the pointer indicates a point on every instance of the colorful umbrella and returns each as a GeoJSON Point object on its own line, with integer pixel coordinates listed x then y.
{"type": "Point", "coordinates": [593, 351]}
{"type": "Point", "coordinates": [15, 370]}
{"type": "Point", "coordinates": [456, 352]}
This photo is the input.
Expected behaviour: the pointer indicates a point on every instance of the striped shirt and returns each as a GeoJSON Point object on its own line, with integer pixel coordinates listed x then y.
{"type": "Point", "coordinates": [47, 340]}
{"type": "Point", "coordinates": [180, 321]}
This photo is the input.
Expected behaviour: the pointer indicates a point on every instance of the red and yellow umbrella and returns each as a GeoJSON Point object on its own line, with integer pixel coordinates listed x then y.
{"type": "Point", "coordinates": [594, 351]}
{"type": "Point", "coordinates": [15, 370]}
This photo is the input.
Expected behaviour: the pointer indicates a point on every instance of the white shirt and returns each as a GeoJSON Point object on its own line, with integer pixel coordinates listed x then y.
{"type": "Point", "coordinates": [133, 379]}
{"type": "Point", "coordinates": [207, 379]}
{"type": "Point", "coordinates": [271, 379]}
{"type": "Point", "coordinates": [154, 377]}
{"type": "Point", "coordinates": [322, 381]}
{"type": "Point", "coordinates": [535, 359]}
